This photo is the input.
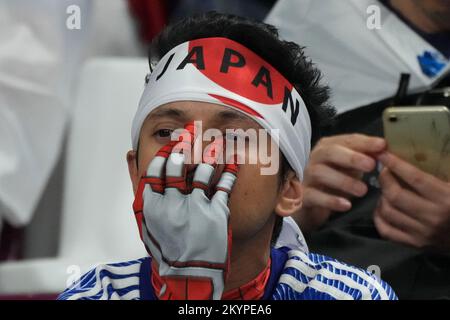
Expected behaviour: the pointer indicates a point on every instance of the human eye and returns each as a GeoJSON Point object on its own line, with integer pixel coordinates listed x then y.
{"type": "Point", "coordinates": [163, 135]}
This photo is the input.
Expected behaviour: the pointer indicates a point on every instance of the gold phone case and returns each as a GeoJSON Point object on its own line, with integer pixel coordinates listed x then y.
{"type": "Point", "coordinates": [421, 136]}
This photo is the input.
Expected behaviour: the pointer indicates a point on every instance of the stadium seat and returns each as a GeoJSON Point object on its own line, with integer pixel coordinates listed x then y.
{"type": "Point", "coordinates": [97, 221]}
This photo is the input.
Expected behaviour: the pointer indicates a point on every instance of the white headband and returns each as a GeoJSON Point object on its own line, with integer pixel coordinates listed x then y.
{"type": "Point", "coordinates": [224, 72]}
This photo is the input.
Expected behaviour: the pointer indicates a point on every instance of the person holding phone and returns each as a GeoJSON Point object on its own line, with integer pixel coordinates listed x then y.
{"type": "Point", "coordinates": [363, 203]}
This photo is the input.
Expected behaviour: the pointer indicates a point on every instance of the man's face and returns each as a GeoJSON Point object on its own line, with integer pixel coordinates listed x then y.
{"type": "Point", "coordinates": [254, 197]}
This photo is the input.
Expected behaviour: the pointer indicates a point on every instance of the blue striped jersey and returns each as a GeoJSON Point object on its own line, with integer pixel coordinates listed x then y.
{"type": "Point", "coordinates": [294, 275]}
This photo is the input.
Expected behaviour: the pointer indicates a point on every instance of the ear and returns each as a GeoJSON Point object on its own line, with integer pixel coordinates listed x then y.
{"type": "Point", "coordinates": [133, 169]}
{"type": "Point", "coordinates": [290, 198]}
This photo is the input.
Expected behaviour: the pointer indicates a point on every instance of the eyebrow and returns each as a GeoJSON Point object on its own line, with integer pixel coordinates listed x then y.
{"type": "Point", "coordinates": [169, 113]}
{"type": "Point", "coordinates": [232, 115]}
{"type": "Point", "coordinates": [221, 118]}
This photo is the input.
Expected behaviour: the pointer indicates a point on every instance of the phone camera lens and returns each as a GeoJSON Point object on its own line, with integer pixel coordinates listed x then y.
{"type": "Point", "coordinates": [393, 118]}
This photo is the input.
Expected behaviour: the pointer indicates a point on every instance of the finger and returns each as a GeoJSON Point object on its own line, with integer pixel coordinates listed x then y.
{"type": "Point", "coordinates": [176, 173]}
{"type": "Point", "coordinates": [358, 142]}
{"type": "Point", "coordinates": [344, 157]}
{"type": "Point", "coordinates": [324, 175]}
{"type": "Point", "coordinates": [186, 139]}
{"type": "Point", "coordinates": [204, 173]}
{"type": "Point", "coordinates": [155, 170]}
{"type": "Point", "coordinates": [398, 219]}
{"type": "Point", "coordinates": [403, 199]}
{"type": "Point", "coordinates": [317, 198]}
{"type": "Point", "coordinates": [425, 184]}
{"type": "Point", "coordinates": [389, 232]}
{"type": "Point", "coordinates": [177, 151]}
{"type": "Point", "coordinates": [232, 166]}
{"type": "Point", "coordinates": [202, 177]}
{"type": "Point", "coordinates": [226, 183]}
{"type": "Point", "coordinates": [213, 153]}
{"type": "Point", "coordinates": [356, 174]}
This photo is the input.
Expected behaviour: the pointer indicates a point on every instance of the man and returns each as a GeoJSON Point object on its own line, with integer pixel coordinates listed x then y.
{"type": "Point", "coordinates": [402, 216]}
{"type": "Point", "coordinates": [224, 74]}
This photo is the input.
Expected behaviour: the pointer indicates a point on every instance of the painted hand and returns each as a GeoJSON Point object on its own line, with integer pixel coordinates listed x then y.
{"type": "Point", "coordinates": [185, 231]}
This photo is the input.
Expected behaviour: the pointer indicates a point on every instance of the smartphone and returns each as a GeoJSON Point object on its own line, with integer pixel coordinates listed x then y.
{"type": "Point", "coordinates": [421, 136]}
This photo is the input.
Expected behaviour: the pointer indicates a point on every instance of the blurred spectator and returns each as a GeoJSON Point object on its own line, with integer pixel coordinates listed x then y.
{"type": "Point", "coordinates": [40, 58]}
{"type": "Point", "coordinates": [255, 9]}
{"type": "Point", "coordinates": [393, 223]}
{"type": "Point", "coordinates": [152, 16]}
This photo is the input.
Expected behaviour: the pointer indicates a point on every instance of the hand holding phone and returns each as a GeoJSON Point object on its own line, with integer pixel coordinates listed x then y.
{"type": "Point", "coordinates": [420, 136]}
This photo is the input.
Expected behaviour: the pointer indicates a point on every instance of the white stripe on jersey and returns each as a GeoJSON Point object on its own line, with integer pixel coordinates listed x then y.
{"type": "Point", "coordinates": [370, 279]}
{"type": "Point", "coordinates": [101, 283]}
{"type": "Point", "coordinates": [315, 284]}
{"type": "Point", "coordinates": [310, 272]}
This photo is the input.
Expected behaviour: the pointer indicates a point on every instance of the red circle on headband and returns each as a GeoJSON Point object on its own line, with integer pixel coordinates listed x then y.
{"type": "Point", "coordinates": [239, 70]}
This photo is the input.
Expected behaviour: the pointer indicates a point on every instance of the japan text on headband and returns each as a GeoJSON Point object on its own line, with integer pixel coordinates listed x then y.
{"type": "Point", "coordinates": [224, 72]}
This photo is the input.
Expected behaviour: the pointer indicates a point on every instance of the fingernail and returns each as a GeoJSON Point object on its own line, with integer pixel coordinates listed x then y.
{"type": "Point", "coordinates": [379, 143]}
{"type": "Point", "coordinates": [360, 190]}
{"type": "Point", "coordinates": [368, 164]}
{"type": "Point", "coordinates": [345, 204]}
